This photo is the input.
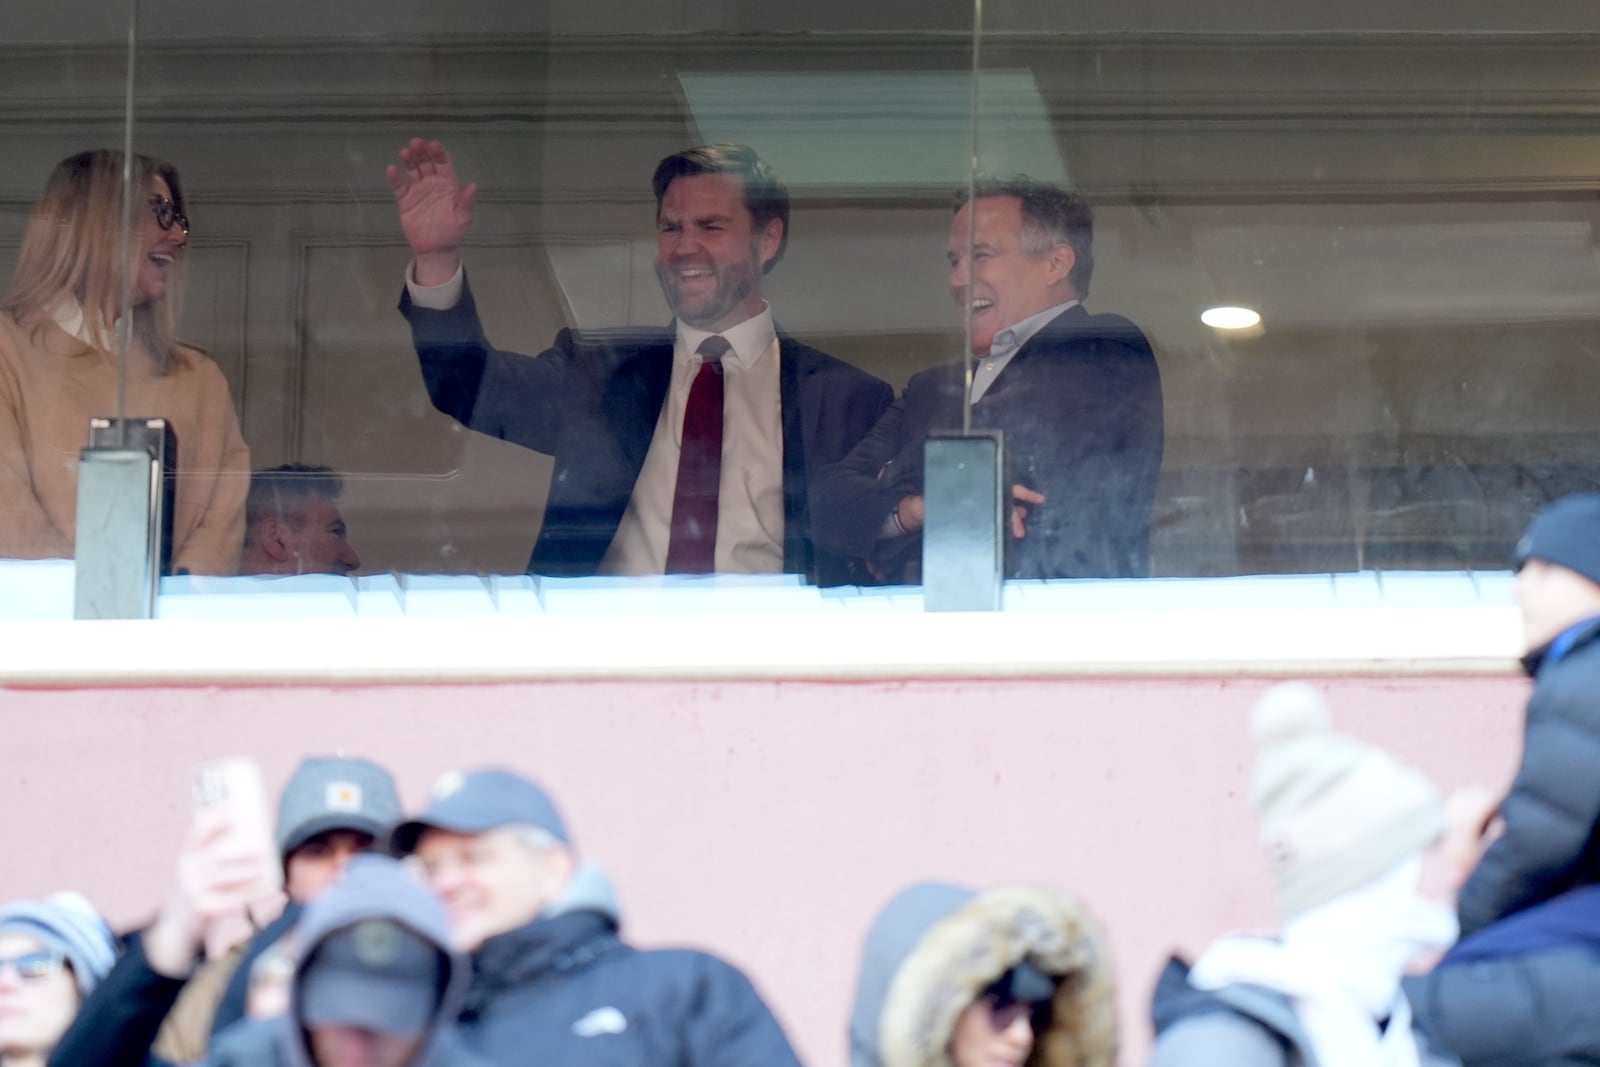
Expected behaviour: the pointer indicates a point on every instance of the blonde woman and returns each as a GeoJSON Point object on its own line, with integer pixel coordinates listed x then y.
{"type": "Point", "coordinates": [58, 368]}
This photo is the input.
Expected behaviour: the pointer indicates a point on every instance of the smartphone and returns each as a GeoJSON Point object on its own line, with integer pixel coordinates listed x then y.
{"type": "Point", "coordinates": [234, 789]}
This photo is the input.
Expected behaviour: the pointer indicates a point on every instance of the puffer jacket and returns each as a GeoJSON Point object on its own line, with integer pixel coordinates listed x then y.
{"type": "Point", "coordinates": [934, 949]}
{"type": "Point", "coordinates": [1550, 842]}
{"type": "Point", "coordinates": [564, 991]}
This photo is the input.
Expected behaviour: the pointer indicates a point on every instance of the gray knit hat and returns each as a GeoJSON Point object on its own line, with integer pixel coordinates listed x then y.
{"type": "Point", "coordinates": [66, 923]}
{"type": "Point", "coordinates": [336, 793]}
{"type": "Point", "coordinates": [1335, 812]}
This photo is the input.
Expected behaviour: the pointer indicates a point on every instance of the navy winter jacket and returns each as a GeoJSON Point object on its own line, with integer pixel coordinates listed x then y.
{"type": "Point", "coordinates": [1551, 813]}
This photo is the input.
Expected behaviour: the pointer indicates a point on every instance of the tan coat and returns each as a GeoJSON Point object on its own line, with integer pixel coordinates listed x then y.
{"type": "Point", "coordinates": [52, 384]}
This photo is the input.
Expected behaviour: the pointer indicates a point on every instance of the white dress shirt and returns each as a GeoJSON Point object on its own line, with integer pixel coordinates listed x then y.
{"type": "Point", "coordinates": [750, 495]}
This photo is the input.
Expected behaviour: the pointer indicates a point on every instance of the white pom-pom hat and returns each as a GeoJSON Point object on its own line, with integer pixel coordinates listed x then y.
{"type": "Point", "coordinates": [1335, 812]}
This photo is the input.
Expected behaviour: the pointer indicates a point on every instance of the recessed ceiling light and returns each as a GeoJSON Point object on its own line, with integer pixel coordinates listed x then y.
{"type": "Point", "coordinates": [1230, 318]}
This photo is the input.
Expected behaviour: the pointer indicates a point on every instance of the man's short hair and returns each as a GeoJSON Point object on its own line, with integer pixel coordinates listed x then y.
{"type": "Point", "coordinates": [1050, 216]}
{"type": "Point", "coordinates": [279, 492]}
{"type": "Point", "coordinates": [764, 194]}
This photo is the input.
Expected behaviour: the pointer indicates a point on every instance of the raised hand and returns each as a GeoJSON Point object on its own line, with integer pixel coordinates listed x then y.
{"type": "Point", "coordinates": [435, 209]}
{"type": "Point", "coordinates": [218, 877]}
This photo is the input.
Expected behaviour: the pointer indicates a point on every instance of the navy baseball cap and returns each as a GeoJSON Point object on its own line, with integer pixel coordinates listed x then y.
{"type": "Point", "coordinates": [1567, 533]}
{"type": "Point", "coordinates": [479, 801]}
{"type": "Point", "coordinates": [377, 975]}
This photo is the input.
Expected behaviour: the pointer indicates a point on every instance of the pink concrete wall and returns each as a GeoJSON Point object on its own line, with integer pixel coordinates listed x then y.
{"type": "Point", "coordinates": [764, 820]}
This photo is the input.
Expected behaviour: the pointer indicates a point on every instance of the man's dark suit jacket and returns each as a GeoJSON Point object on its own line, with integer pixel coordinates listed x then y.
{"type": "Point", "coordinates": [1080, 408]}
{"type": "Point", "coordinates": [592, 401]}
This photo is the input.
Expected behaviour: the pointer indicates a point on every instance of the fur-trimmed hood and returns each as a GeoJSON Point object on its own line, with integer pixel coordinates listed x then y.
{"type": "Point", "coordinates": [935, 948]}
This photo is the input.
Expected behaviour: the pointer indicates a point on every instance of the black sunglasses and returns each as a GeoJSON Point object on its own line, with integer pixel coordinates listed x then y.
{"type": "Point", "coordinates": [167, 213]}
{"type": "Point", "coordinates": [1004, 1013]}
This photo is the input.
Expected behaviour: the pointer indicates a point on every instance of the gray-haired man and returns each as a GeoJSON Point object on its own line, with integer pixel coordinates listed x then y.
{"type": "Point", "coordinates": [552, 981]}
{"type": "Point", "coordinates": [1077, 396]}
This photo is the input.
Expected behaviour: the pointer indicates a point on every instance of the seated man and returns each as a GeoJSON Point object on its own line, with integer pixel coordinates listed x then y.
{"type": "Point", "coordinates": [690, 450]}
{"type": "Point", "coordinates": [1522, 985]}
{"type": "Point", "coordinates": [1012, 975]}
{"type": "Point", "coordinates": [292, 523]}
{"type": "Point", "coordinates": [1077, 396]}
{"type": "Point", "coordinates": [552, 983]}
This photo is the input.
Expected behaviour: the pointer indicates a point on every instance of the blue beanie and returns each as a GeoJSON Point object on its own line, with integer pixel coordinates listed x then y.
{"type": "Point", "coordinates": [68, 924]}
{"type": "Point", "coordinates": [1567, 533]}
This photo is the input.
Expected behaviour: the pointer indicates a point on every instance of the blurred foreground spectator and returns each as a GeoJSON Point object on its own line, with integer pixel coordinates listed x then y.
{"type": "Point", "coordinates": [1366, 858]}
{"type": "Point", "coordinates": [552, 981]}
{"type": "Point", "coordinates": [53, 953]}
{"type": "Point", "coordinates": [1523, 985]}
{"type": "Point", "coordinates": [375, 984]}
{"type": "Point", "coordinates": [955, 978]}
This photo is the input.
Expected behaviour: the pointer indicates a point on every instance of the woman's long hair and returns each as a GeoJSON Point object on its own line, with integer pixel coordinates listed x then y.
{"type": "Point", "coordinates": [73, 241]}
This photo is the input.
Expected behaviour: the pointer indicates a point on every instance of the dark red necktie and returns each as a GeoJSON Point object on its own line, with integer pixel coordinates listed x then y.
{"type": "Point", "coordinates": [693, 548]}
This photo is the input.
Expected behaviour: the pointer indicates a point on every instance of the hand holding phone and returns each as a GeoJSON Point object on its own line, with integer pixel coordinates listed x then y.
{"type": "Point", "coordinates": [229, 860]}
{"type": "Point", "coordinates": [232, 850]}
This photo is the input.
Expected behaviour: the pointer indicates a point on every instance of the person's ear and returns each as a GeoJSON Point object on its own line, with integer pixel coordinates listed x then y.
{"type": "Point", "coordinates": [269, 535]}
{"type": "Point", "coordinates": [769, 242]}
{"type": "Point", "coordinates": [1060, 260]}
{"type": "Point", "coordinates": [560, 865]}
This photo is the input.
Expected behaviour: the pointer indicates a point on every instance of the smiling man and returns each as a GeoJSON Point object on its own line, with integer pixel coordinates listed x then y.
{"type": "Point", "coordinates": [552, 981]}
{"type": "Point", "coordinates": [688, 450]}
{"type": "Point", "coordinates": [1077, 397]}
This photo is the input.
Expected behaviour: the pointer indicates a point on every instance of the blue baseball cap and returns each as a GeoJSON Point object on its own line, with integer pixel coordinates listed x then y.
{"type": "Point", "coordinates": [478, 801]}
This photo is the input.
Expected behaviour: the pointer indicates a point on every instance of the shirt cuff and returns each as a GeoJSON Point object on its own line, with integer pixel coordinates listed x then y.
{"type": "Point", "coordinates": [434, 297]}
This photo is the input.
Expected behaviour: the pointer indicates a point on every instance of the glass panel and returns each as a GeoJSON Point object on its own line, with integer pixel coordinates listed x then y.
{"type": "Point", "coordinates": [556, 115]}
{"type": "Point", "coordinates": [1403, 194]}
{"type": "Point", "coordinates": [61, 225]}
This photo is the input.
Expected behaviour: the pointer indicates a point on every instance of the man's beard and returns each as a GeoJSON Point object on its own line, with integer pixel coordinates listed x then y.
{"type": "Point", "coordinates": [734, 282]}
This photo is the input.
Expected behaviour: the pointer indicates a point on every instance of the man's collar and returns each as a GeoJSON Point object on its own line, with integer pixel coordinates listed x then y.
{"type": "Point", "coordinates": [750, 339]}
{"type": "Point", "coordinates": [1556, 650]}
{"type": "Point", "coordinates": [1014, 337]}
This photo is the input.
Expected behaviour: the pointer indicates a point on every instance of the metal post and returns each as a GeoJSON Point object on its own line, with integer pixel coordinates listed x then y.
{"type": "Point", "coordinates": [124, 529]}
{"type": "Point", "coordinates": [964, 536]}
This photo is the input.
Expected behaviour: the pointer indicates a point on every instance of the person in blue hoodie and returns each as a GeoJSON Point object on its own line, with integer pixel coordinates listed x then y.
{"type": "Point", "coordinates": [1523, 984]}
{"type": "Point", "coordinates": [553, 983]}
{"type": "Point", "coordinates": [376, 984]}
{"type": "Point", "coordinates": [953, 977]}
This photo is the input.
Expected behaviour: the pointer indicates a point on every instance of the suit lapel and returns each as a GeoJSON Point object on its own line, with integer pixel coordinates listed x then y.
{"type": "Point", "coordinates": [636, 393]}
{"type": "Point", "coordinates": [796, 410]}
{"type": "Point", "coordinates": [1068, 322]}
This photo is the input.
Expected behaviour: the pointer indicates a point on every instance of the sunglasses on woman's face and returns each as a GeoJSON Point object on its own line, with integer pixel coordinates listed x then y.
{"type": "Point", "coordinates": [1004, 1013]}
{"type": "Point", "coordinates": [167, 213]}
{"type": "Point", "coordinates": [32, 965]}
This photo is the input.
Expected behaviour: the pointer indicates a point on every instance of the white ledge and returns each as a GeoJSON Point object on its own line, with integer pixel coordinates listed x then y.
{"type": "Point", "coordinates": [415, 630]}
